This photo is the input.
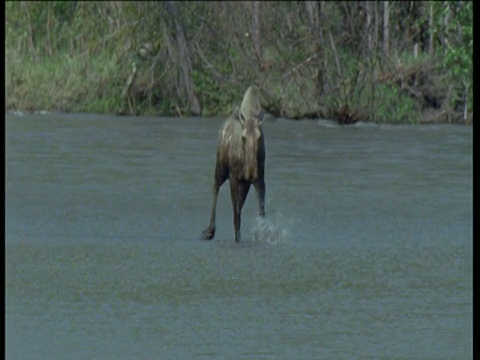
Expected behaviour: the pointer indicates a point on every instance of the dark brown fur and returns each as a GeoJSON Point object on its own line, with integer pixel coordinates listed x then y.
{"type": "Point", "coordinates": [241, 160]}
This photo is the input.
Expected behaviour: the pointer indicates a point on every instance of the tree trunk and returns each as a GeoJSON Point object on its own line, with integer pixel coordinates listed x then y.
{"type": "Point", "coordinates": [386, 25]}
{"type": "Point", "coordinates": [314, 11]}
{"type": "Point", "coordinates": [256, 30]}
{"type": "Point", "coordinates": [183, 59]}
{"type": "Point", "coordinates": [446, 21]}
{"type": "Point", "coordinates": [430, 29]}
{"type": "Point", "coordinates": [368, 10]}
{"type": "Point", "coordinates": [375, 34]}
{"type": "Point", "coordinates": [30, 37]}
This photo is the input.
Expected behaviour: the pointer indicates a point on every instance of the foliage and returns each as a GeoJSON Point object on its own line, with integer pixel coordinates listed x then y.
{"type": "Point", "coordinates": [459, 51]}
{"type": "Point", "coordinates": [316, 58]}
{"type": "Point", "coordinates": [391, 98]}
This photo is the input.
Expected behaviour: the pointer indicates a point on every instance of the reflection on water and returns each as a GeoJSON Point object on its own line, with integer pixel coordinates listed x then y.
{"type": "Point", "coordinates": [365, 250]}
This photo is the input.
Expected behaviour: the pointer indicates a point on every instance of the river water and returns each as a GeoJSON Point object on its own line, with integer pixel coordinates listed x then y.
{"type": "Point", "coordinates": [366, 250]}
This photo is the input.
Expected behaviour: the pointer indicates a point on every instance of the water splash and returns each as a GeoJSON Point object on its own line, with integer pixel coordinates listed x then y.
{"type": "Point", "coordinates": [272, 231]}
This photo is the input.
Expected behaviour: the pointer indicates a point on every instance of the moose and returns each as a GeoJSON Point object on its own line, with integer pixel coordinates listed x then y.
{"type": "Point", "coordinates": [240, 159]}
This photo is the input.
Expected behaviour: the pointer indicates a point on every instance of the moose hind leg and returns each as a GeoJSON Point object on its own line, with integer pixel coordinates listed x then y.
{"type": "Point", "coordinates": [239, 192]}
{"type": "Point", "coordinates": [260, 189]}
{"type": "Point", "coordinates": [243, 188]}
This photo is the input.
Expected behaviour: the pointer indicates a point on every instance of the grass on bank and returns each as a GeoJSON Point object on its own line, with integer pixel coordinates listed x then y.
{"type": "Point", "coordinates": [95, 85]}
{"type": "Point", "coordinates": [78, 56]}
{"type": "Point", "coordinates": [63, 83]}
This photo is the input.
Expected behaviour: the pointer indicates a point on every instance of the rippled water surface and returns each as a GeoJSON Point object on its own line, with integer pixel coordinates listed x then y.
{"type": "Point", "coordinates": [366, 251]}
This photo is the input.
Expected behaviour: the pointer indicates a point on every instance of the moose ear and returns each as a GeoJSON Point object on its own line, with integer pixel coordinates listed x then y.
{"type": "Point", "coordinates": [241, 118]}
{"type": "Point", "coordinates": [236, 113]}
{"type": "Point", "coordinates": [260, 116]}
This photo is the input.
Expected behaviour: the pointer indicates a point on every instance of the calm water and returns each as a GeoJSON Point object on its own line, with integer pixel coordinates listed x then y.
{"type": "Point", "coordinates": [366, 251]}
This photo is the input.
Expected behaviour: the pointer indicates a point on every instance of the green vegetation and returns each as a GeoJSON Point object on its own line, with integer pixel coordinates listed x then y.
{"type": "Point", "coordinates": [388, 62]}
{"type": "Point", "coordinates": [459, 55]}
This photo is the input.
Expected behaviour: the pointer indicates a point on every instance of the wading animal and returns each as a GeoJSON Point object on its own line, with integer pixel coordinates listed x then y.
{"type": "Point", "coordinates": [241, 160]}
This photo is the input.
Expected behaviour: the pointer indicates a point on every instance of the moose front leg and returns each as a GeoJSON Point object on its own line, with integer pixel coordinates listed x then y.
{"type": "Point", "coordinates": [235, 195]}
{"type": "Point", "coordinates": [209, 232]}
{"type": "Point", "coordinates": [220, 178]}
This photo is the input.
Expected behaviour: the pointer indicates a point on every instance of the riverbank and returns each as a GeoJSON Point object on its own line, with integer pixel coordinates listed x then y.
{"type": "Point", "coordinates": [52, 85]}
{"type": "Point", "coordinates": [166, 59]}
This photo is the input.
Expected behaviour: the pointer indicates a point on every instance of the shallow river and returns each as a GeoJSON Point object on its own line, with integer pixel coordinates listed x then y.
{"type": "Point", "coordinates": [366, 250]}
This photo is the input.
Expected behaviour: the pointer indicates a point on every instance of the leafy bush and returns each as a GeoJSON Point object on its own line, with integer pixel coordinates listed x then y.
{"type": "Point", "coordinates": [394, 107]}
{"type": "Point", "coordinates": [318, 58]}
